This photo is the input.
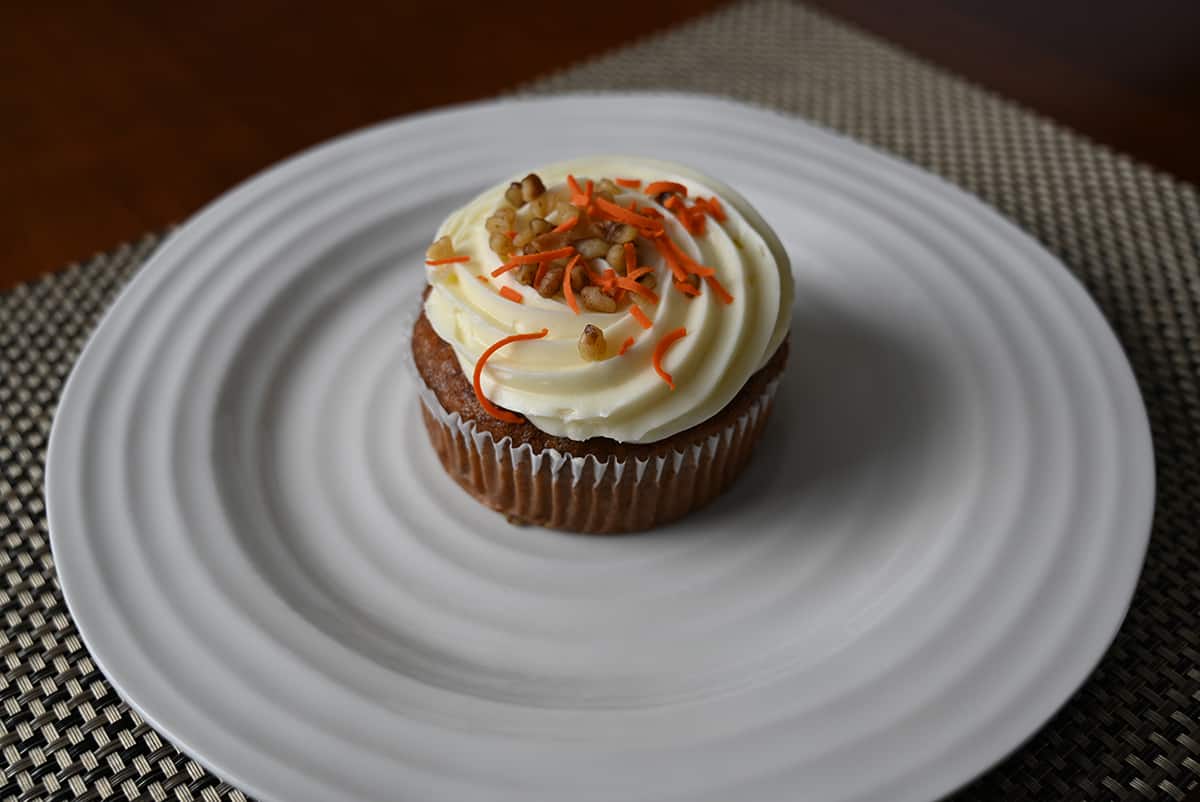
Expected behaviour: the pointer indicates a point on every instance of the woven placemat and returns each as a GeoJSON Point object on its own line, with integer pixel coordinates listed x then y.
{"type": "Point", "coordinates": [1130, 233]}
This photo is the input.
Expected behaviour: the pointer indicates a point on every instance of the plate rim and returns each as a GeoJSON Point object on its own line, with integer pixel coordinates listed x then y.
{"type": "Point", "coordinates": [1114, 358]}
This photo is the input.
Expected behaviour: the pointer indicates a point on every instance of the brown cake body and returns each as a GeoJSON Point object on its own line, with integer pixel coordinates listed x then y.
{"type": "Point", "coordinates": [497, 470]}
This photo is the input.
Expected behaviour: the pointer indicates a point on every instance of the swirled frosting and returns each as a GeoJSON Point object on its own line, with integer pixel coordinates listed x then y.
{"type": "Point", "coordinates": [620, 397]}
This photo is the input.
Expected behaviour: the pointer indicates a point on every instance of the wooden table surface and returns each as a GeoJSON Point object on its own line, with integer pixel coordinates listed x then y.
{"type": "Point", "coordinates": [118, 118]}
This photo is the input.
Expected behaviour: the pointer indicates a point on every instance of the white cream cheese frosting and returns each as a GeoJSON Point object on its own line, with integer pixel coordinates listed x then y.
{"type": "Point", "coordinates": [620, 397]}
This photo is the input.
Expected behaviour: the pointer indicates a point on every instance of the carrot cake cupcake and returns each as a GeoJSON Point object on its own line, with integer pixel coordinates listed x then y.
{"type": "Point", "coordinates": [600, 342]}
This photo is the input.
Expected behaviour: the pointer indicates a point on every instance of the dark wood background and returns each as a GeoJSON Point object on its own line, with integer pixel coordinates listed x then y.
{"type": "Point", "coordinates": [120, 117]}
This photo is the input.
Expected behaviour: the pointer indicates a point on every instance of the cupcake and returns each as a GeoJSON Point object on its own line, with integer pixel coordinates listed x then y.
{"type": "Point", "coordinates": [600, 342]}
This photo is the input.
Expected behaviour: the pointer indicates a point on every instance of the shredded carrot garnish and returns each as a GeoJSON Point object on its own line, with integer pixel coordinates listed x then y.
{"type": "Point", "coordinates": [631, 183]}
{"type": "Point", "coordinates": [637, 273]}
{"type": "Point", "coordinates": [713, 207]}
{"type": "Point", "coordinates": [660, 351]}
{"type": "Point", "coordinates": [512, 295]}
{"type": "Point", "coordinates": [686, 263]}
{"type": "Point", "coordinates": [663, 246]}
{"type": "Point", "coordinates": [692, 219]}
{"type": "Point", "coordinates": [566, 225]}
{"type": "Point", "coordinates": [659, 187]}
{"type": "Point", "coordinates": [630, 258]}
{"type": "Point", "coordinates": [637, 314]}
{"type": "Point", "coordinates": [595, 277]}
{"type": "Point", "coordinates": [607, 281]}
{"type": "Point", "coordinates": [483, 279]}
{"type": "Point", "coordinates": [488, 406]}
{"type": "Point", "coordinates": [610, 283]}
{"type": "Point", "coordinates": [721, 292]}
{"type": "Point", "coordinates": [510, 234]}
{"type": "Point", "coordinates": [447, 261]}
{"type": "Point", "coordinates": [530, 258]}
{"type": "Point", "coordinates": [543, 267]}
{"type": "Point", "coordinates": [625, 346]}
{"type": "Point", "coordinates": [615, 212]}
{"type": "Point", "coordinates": [686, 289]}
{"type": "Point", "coordinates": [568, 293]}
{"type": "Point", "coordinates": [580, 197]}
{"type": "Point", "coordinates": [627, 283]}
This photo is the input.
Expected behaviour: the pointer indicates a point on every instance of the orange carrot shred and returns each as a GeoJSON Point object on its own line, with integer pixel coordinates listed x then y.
{"type": "Point", "coordinates": [663, 245]}
{"type": "Point", "coordinates": [637, 273]}
{"type": "Point", "coordinates": [686, 262]}
{"type": "Point", "coordinates": [659, 187]}
{"type": "Point", "coordinates": [510, 234]}
{"type": "Point", "coordinates": [580, 197]}
{"type": "Point", "coordinates": [615, 212]}
{"type": "Point", "coordinates": [625, 346]}
{"type": "Point", "coordinates": [630, 258]}
{"type": "Point", "coordinates": [541, 272]}
{"type": "Point", "coordinates": [447, 261]}
{"type": "Point", "coordinates": [714, 207]}
{"type": "Point", "coordinates": [631, 183]}
{"type": "Point", "coordinates": [530, 258]}
{"type": "Point", "coordinates": [568, 293]}
{"type": "Point", "coordinates": [660, 351]}
{"type": "Point", "coordinates": [637, 314]}
{"type": "Point", "coordinates": [512, 295]}
{"type": "Point", "coordinates": [686, 289]}
{"type": "Point", "coordinates": [483, 279]}
{"type": "Point", "coordinates": [633, 286]}
{"type": "Point", "coordinates": [721, 292]}
{"type": "Point", "coordinates": [610, 283]}
{"type": "Point", "coordinates": [566, 225]}
{"type": "Point", "coordinates": [488, 406]}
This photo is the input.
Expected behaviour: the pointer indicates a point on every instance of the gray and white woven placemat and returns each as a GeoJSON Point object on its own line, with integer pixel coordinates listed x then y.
{"type": "Point", "coordinates": [1130, 233]}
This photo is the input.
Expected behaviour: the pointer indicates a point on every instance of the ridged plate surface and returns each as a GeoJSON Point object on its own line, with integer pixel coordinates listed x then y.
{"type": "Point", "coordinates": [932, 548]}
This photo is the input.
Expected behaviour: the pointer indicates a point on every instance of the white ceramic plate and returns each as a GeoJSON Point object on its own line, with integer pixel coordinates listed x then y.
{"type": "Point", "coordinates": [931, 550]}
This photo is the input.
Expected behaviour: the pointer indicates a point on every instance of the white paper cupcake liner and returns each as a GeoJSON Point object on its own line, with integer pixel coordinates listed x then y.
{"type": "Point", "coordinates": [583, 493]}
{"type": "Point", "coordinates": [580, 492]}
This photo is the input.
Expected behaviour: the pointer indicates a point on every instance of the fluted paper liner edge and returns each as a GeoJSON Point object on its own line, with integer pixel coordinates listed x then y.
{"type": "Point", "coordinates": [560, 490]}
{"type": "Point", "coordinates": [583, 493]}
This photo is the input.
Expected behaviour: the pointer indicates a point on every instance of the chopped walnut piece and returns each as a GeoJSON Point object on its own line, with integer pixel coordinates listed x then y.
{"type": "Point", "coordinates": [513, 194]}
{"type": "Point", "coordinates": [595, 300]}
{"type": "Point", "coordinates": [591, 248]}
{"type": "Point", "coordinates": [526, 273]}
{"type": "Point", "coordinates": [551, 283]}
{"type": "Point", "coordinates": [532, 187]}
{"type": "Point", "coordinates": [616, 258]}
{"type": "Point", "coordinates": [442, 248]}
{"type": "Point", "coordinates": [592, 346]}
{"type": "Point", "coordinates": [619, 233]}
{"type": "Point", "coordinates": [606, 186]}
{"type": "Point", "coordinates": [501, 245]}
{"type": "Point", "coordinates": [579, 277]}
